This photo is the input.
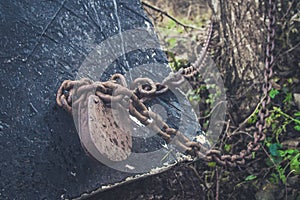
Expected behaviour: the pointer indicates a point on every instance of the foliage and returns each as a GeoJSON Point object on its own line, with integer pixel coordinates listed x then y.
{"type": "Point", "coordinates": [281, 159]}
{"type": "Point", "coordinates": [273, 92]}
{"type": "Point", "coordinates": [250, 177]}
{"type": "Point", "coordinates": [176, 63]}
{"type": "Point", "coordinates": [284, 119]}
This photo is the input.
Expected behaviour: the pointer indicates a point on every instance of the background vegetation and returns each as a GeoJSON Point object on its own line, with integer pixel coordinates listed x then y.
{"type": "Point", "coordinates": [238, 50]}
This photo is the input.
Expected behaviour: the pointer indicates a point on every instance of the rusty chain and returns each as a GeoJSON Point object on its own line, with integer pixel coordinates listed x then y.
{"type": "Point", "coordinates": [111, 91]}
{"type": "Point", "coordinates": [259, 135]}
{"type": "Point", "coordinates": [133, 97]}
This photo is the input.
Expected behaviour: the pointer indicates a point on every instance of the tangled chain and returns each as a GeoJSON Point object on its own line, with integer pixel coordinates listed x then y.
{"type": "Point", "coordinates": [142, 89]}
{"type": "Point", "coordinates": [116, 91]}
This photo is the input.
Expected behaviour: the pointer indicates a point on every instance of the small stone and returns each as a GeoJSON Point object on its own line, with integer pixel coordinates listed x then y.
{"type": "Point", "coordinates": [265, 195]}
{"type": "Point", "coordinates": [292, 143]}
{"type": "Point", "coordinates": [293, 180]}
{"type": "Point", "coordinates": [297, 99]}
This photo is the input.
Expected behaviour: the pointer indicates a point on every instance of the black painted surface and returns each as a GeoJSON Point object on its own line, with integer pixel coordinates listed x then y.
{"type": "Point", "coordinates": [43, 43]}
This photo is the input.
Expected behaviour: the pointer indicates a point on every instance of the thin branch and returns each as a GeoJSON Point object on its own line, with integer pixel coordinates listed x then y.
{"type": "Point", "coordinates": [212, 110]}
{"type": "Point", "coordinates": [217, 184]}
{"type": "Point", "coordinates": [288, 10]}
{"type": "Point", "coordinates": [288, 51]}
{"type": "Point", "coordinates": [185, 26]}
{"type": "Point", "coordinates": [243, 124]}
{"type": "Point", "coordinates": [286, 191]}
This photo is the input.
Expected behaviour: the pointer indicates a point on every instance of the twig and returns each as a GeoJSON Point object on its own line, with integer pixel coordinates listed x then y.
{"type": "Point", "coordinates": [269, 156]}
{"type": "Point", "coordinates": [185, 26]}
{"type": "Point", "coordinates": [225, 134]}
{"type": "Point", "coordinates": [212, 110]}
{"type": "Point", "coordinates": [286, 115]}
{"type": "Point", "coordinates": [182, 189]}
{"type": "Point", "coordinates": [217, 184]}
{"type": "Point", "coordinates": [241, 125]}
{"type": "Point", "coordinates": [242, 132]}
{"type": "Point", "coordinates": [196, 172]}
{"type": "Point", "coordinates": [287, 51]}
{"type": "Point", "coordinates": [286, 192]}
{"type": "Point", "coordinates": [288, 10]}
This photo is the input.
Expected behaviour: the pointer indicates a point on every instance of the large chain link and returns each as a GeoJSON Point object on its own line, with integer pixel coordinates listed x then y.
{"type": "Point", "coordinates": [142, 89]}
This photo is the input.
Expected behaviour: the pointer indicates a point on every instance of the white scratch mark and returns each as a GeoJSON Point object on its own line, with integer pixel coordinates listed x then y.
{"type": "Point", "coordinates": [122, 40]}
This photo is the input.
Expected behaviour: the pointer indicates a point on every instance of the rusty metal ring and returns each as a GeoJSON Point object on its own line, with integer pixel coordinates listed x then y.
{"type": "Point", "coordinates": [161, 89]}
{"type": "Point", "coordinates": [116, 76]}
{"type": "Point", "coordinates": [145, 86]}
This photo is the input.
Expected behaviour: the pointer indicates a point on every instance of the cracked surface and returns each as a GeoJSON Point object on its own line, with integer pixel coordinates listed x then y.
{"type": "Point", "coordinates": [43, 43]}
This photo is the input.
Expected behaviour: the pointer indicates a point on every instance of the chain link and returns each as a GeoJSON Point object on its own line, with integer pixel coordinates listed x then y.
{"type": "Point", "coordinates": [116, 90]}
